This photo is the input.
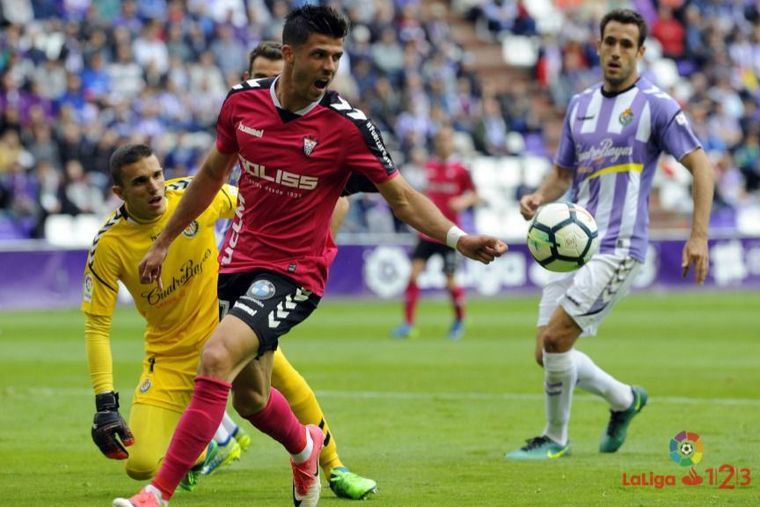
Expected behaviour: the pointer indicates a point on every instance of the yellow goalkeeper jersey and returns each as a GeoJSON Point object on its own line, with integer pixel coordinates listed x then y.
{"type": "Point", "coordinates": [183, 314]}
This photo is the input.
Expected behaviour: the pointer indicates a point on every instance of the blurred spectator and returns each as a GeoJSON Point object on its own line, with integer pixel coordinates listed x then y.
{"type": "Point", "coordinates": [79, 195]}
{"type": "Point", "coordinates": [670, 32]}
{"type": "Point", "coordinates": [80, 76]}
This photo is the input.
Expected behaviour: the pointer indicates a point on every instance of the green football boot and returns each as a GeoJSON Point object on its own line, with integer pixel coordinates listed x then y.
{"type": "Point", "coordinates": [617, 429]}
{"type": "Point", "coordinates": [346, 484]}
{"type": "Point", "coordinates": [540, 448]}
{"type": "Point", "coordinates": [190, 480]}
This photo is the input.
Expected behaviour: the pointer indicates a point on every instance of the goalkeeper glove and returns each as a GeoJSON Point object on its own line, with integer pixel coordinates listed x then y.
{"type": "Point", "coordinates": [108, 424]}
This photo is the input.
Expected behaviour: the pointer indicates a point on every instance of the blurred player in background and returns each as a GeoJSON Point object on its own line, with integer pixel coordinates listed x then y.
{"type": "Point", "coordinates": [450, 187]}
{"type": "Point", "coordinates": [179, 318]}
{"type": "Point", "coordinates": [613, 134]}
{"type": "Point", "coordinates": [266, 61]}
{"type": "Point", "coordinates": [297, 144]}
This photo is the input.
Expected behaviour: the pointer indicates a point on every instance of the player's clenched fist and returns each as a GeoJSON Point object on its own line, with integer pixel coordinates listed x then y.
{"type": "Point", "coordinates": [481, 248]}
{"type": "Point", "coordinates": [109, 430]}
{"type": "Point", "coordinates": [529, 204]}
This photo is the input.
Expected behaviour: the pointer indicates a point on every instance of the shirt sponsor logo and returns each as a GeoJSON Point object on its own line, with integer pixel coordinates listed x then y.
{"type": "Point", "coordinates": [250, 130]}
{"type": "Point", "coordinates": [187, 272]}
{"type": "Point", "coordinates": [87, 288]}
{"type": "Point", "coordinates": [606, 149]}
{"type": "Point", "coordinates": [278, 176]}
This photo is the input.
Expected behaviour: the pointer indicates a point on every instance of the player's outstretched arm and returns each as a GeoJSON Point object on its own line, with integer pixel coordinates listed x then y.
{"type": "Point", "coordinates": [109, 430]}
{"type": "Point", "coordinates": [552, 188]}
{"type": "Point", "coordinates": [418, 211]}
{"type": "Point", "coordinates": [695, 252]}
{"type": "Point", "coordinates": [199, 194]}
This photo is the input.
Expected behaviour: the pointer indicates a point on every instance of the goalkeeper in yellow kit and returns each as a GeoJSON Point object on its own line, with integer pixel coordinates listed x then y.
{"type": "Point", "coordinates": [179, 319]}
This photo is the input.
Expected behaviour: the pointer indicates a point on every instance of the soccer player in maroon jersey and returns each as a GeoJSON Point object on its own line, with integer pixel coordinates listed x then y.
{"type": "Point", "coordinates": [266, 61]}
{"type": "Point", "coordinates": [297, 143]}
{"type": "Point", "coordinates": [450, 187]}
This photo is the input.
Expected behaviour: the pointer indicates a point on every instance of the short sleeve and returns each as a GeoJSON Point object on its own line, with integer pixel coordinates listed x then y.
{"type": "Point", "coordinates": [367, 154]}
{"type": "Point", "coordinates": [565, 156]}
{"type": "Point", "coordinates": [226, 141]}
{"type": "Point", "coordinates": [466, 183]}
{"type": "Point", "coordinates": [675, 134]}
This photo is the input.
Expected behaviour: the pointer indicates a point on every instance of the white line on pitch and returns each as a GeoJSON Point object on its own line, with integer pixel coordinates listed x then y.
{"type": "Point", "coordinates": [16, 391]}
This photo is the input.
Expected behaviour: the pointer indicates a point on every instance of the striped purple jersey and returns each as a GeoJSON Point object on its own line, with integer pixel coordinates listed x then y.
{"type": "Point", "coordinates": [612, 142]}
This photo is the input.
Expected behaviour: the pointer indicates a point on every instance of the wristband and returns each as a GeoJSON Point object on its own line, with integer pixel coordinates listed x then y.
{"type": "Point", "coordinates": [452, 237]}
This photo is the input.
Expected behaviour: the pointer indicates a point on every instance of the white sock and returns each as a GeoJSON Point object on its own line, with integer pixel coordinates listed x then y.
{"type": "Point", "coordinates": [222, 436]}
{"type": "Point", "coordinates": [304, 455]}
{"type": "Point", "coordinates": [560, 375]}
{"type": "Point", "coordinates": [229, 424]}
{"type": "Point", "coordinates": [154, 490]}
{"type": "Point", "coordinates": [595, 380]}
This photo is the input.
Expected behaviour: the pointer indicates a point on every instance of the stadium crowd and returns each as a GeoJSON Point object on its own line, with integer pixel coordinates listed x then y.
{"type": "Point", "coordinates": [78, 78]}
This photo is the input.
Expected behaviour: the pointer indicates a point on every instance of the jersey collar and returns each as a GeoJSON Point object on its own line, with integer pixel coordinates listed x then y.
{"type": "Point", "coordinates": [609, 95]}
{"type": "Point", "coordinates": [301, 112]}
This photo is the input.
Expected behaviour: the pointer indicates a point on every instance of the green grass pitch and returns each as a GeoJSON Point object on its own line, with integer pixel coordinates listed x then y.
{"type": "Point", "coordinates": [429, 419]}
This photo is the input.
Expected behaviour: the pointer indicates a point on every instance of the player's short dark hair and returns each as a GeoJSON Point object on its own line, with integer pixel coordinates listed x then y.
{"type": "Point", "coordinates": [125, 155]}
{"type": "Point", "coordinates": [269, 49]}
{"type": "Point", "coordinates": [308, 19]}
{"type": "Point", "coordinates": [626, 17]}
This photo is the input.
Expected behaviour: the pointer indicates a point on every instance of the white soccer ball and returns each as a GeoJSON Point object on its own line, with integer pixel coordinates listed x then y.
{"type": "Point", "coordinates": [562, 236]}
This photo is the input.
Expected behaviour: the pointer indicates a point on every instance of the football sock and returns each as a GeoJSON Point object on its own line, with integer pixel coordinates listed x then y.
{"type": "Point", "coordinates": [412, 295]}
{"type": "Point", "coordinates": [595, 380]}
{"type": "Point", "coordinates": [229, 424]}
{"type": "Point", "coordinates": [195, 430]}
{"type": "Point", "coordinates": [457, 298]}
{"type": "Point", "coordinates": [560, 375]}
{"type": "Point", "coordinates": [306, 407]}
{"type": "Point", "coordinates": [306, 452]}
{"type": "Point", "coordinates": [279, 422]}
{"type": "Point", "coordinates": [222, 436]}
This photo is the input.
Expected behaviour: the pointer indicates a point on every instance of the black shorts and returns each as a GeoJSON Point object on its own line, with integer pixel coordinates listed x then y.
{"type": "Point", "coordinates": [426, 249]}
{"type": "Point", "coordinates": [269, 303]}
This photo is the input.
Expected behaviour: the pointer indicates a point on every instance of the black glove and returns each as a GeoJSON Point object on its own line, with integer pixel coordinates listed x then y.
{"type": "Point", "coordinates": [108, 424]}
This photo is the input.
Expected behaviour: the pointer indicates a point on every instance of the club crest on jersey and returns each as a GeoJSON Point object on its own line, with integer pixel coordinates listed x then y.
{"type": "Point", "coordinates": [261, 289]}
{"type": "Point", "coordinates": [309, 144]}
{"type": "Point", "coordinates": [191, 230]}
{"type": "Point", "coordinates": [145, 385]}
{"type": "Point", "coordinates": [626, 117]}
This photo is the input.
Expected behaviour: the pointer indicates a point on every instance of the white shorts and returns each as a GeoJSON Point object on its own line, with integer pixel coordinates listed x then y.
{"type": "Point", "coordinates": [588, 295]}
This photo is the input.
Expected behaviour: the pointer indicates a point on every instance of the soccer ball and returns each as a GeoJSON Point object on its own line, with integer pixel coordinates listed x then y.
{"type": "Point", "coordinates": [562, 236]}
{"type": "Point", "coordinates": [687, 448]}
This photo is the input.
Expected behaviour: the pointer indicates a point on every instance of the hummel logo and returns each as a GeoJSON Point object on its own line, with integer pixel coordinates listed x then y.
{"type": "Point", "coordinates": [584, 118]}
{"type": "Point", "coordinates": [251, 131]}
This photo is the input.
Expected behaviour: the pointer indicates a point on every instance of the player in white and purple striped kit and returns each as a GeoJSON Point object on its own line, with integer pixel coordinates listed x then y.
{"type": "Point", "coordinates": [612, 136]}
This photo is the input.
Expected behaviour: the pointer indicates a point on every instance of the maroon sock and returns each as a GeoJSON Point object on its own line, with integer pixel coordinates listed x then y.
{"type": "Point", "coordinates": [279, 422]}
{"type": "Point", "coordinates": [457, 298]}
{"type": "Point", "coordinates": [412, 296]}
{"type": "Point", "coordinates": [194, 431]}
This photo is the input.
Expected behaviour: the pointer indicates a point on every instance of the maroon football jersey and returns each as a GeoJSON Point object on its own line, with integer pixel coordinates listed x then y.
{"type": "Point", "coordinates": [446, 180]}
{"type": "Point", "coordinates": [293, 169]}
